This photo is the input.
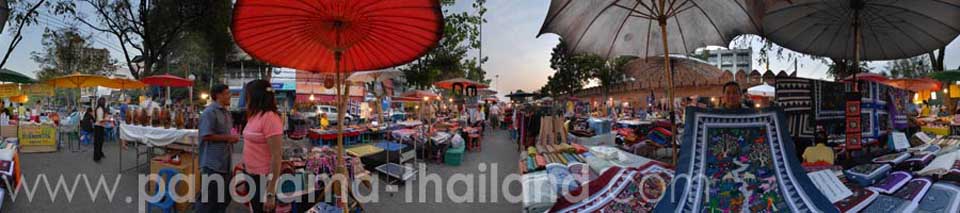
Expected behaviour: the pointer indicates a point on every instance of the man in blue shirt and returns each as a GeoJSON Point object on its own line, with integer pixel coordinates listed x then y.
{"type": "Point", "coordinates": [215, 149]}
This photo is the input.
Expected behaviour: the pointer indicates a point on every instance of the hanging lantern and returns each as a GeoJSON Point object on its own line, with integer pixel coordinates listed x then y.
{"type": "Point", "coordinates": [328, 83]}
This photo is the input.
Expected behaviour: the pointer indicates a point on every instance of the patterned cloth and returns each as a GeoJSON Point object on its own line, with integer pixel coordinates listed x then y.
{"type": "Point", "coordinates": [942, 197]}
{"type": "Point", "coordinates": [619, 189]}
{"type": "Point", "coordinates": [737, 161]}
{"type": "Point", "coordinates": [873, 109]}
{"type": "Point", "coordinates": [794, 96]}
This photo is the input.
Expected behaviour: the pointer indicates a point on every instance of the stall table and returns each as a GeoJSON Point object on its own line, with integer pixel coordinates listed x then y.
{"type": "Point", "coordinates": [157, 137]}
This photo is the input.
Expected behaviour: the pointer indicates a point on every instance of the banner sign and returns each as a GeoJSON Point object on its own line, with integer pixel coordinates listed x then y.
{"type": "Point", "coordinates": [38, 135]}
{"type": "Point", "coordinates": [7, 90]}
{"type": "Point", "coordinates": [38, 90]}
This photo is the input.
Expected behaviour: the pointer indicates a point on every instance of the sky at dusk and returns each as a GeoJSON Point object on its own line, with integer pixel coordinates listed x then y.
{"type": "Point", "coordinates": [516, 54]}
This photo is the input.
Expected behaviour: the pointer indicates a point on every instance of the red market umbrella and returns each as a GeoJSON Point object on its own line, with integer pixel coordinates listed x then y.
{"type": "Point", "coordinates": [915, 84]}
{"type": "Point", "coordinates": [167, 80]}
{"type": "Point", "coordinates": [337, 36]}
{"type": "Point", "coordinates": [463, 82]}
{"type": "Point", "coordinates": [405, 99]}
{"type": "Point", "coordinates": [420, 94]}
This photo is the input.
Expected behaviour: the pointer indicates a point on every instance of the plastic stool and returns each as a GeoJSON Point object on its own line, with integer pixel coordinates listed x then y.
{"type": "Point", "coordinates": [166, 202]}
{"type": "Point", "coordinates": [454, 156]}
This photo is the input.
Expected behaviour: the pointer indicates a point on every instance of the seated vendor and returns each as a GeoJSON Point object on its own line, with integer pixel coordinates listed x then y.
{"type": "Point", "coordinates": [324, 122]}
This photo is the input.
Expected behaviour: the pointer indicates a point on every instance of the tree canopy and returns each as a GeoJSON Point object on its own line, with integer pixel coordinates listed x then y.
{"type": "Point", "coordinates": [451, 58]}
{"type": "Point", "coordinates": [67, 50]}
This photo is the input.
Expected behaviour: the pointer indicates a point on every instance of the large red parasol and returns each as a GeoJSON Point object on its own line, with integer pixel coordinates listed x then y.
{"type": "Point", "coordinates": [167, 80]}
{"type": "Point", "coordinates": [306, 35]}
{"type": "Point", "coordinates": [915, 84]}
{"type": "Point", "coordinates": [337, 36]}
{"type": "Point", "coordinates": [463, 82]}
{"type": "Point", "coordinates": [420, 94]}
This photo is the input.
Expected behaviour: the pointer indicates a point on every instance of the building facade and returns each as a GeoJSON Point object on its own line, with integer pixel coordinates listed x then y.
{"type": "Point", "coordinates": [730, 60]}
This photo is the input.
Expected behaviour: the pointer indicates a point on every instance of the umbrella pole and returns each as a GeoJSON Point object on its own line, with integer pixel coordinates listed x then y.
{"type": "Point", "coordinates": [666, 67]}
{"type": "Point", "coordinates": [341, 163]}
{"type": "Point", "coordinates": [856, 48]}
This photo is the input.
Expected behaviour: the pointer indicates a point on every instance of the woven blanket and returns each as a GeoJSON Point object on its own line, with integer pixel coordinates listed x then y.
{"type": "Point", "coordinates": [873, 109]}
{"type": "Point", "coordinates": [829, 100]}
{"type": "Point", "coordinates": [892, 182]}
{"type": "Point", "coordinates": [898, 107]}
{"type": "Point", "coordinates": [904, 200]}
{"type": "Point", "coordinates": [619, 190]}
{"type": "Point", "coordinates": [942, 197]}
{"type": "Point", "coordinates": [740, 161]}
{"type": "Point", "coordinates": [794, 97]}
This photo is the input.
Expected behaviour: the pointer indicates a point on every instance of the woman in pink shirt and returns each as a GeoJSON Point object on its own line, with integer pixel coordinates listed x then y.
{"type": "Point", "coordinates": [263, 141]}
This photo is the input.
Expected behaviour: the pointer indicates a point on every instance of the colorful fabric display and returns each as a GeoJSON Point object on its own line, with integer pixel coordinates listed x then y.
{"type": "Point", "coordinates": [892, 182]}
{"type": "Point", "coordinates": [795, 98]}
{"type": "Point", "coordinates": [873, 108]}
{"type": "Point", "coordinates": [619, 190]}
{"type": "Point", "coordinates": [581, 172]}
{"type": "Point", "coordinates": [858, 201]}
{"type": "Point", "coordinates": [940, 165]}
{"type": "Point", "coordinates": [561, 178]}
{"type": "Point", "coordinates": [579, 149]}
{"type": "Point", "coordinates": [918, 161]}
{"type": "Point", "coordinates": [541, 161]}
{"type": "Point", "coordinates": [904, 200]}
{"type": "Point", "coordinates": [893, 158]}
{"type": "Point", "coordinates": [531, 164]}
{"type": "Point", "coordinates": [867, 174]}
{"type": "Point", "coordinates": [941, 198]}
{"type": "Point", "coordinates": [747, 163]}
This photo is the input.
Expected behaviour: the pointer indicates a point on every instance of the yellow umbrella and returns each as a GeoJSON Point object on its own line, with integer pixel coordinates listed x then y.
{"type": "Point", "coordinates": [124, 83]}
{"type": "Point", "coordinates": [78, 81]}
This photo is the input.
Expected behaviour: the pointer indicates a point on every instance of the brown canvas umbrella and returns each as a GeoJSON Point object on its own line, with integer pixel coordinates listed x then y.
{"type": "Point", "coordinates": [644, 28]}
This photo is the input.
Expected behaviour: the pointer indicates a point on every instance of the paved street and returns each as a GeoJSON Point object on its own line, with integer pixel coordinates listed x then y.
{"type": "Point", "coordinates": [497, 148]}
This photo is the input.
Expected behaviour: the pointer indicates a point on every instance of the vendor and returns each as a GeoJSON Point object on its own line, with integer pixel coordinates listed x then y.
{"type": "Point", "coordinates": [732, 96]}
{"type": "Point", "coordinates": [324, 122]}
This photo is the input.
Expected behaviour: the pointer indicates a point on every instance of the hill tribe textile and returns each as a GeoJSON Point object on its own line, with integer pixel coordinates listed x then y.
{"type": "Point", "coordinates": [873, 108]}
{"type": "Point", "coordinates": [794, 97]}
{"type": "Point", "coordinates": [620, 189]}
{"type": "Point", "coordinates": [828, 106]}
{"type": "Point", "coordinates": [892, 182]}
{"type": "Point", "coordinates": [740, 161]}
{"type": "Point", "coordinates": [942, 197]}
{"type": "Point", "coordinates": [898, 107]}
{"type": "Point", "coordinates": [904, 200]}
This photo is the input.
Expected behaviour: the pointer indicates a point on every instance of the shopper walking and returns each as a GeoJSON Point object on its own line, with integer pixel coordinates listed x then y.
{"type": "Point", "coordinates": [216, 143]}
{"type": "Point", "coordinates": [262, 143]}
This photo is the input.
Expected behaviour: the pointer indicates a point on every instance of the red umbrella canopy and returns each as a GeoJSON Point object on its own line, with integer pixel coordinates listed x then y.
{"type": "Point", "coordinates": [420, 94]}
{"type": "Point", "coordinates": [406, 99]}
{"type": "Point", "coordinates": [448, 84]}
{"type": "Point", "coordinates": [915, 84]}
{"type": "Point", "coordinates": [167, 80]}
{"type": "Point", "coordinates": [370, 34]}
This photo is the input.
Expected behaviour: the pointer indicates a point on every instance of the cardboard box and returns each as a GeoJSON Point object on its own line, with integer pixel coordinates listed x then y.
{"type": "Point", "coordinates": [186, 167]}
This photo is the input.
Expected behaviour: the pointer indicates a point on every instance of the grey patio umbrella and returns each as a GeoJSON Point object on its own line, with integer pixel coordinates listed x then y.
{"type": "Point", "coordinates": [612, 28]}
{"type": "Point", "coordinates": [863, 29]}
